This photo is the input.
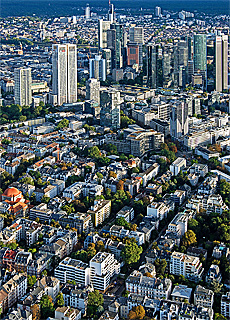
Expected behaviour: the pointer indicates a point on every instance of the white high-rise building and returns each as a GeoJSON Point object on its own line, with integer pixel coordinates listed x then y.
{"type": "Point", "coordinates": [188, 266]}
{"type": "Point", "coordinates": [103, 266]}
{"type": "Point", "coordinates": [22, 89]}
{"type": "Point", "coordinates": [221, 63]}
{"type": "Point", "coordinates": [64, 65]}
{"type": "Point", "coordinates": [158, 11]}
{"type": "Point", "coordinates": [87, 12]}
{"type": "Point", "coordinates": [73, 270]}
{"type": "Point", "coordinates": [97, 68]}
{"type": "Point", "coordinates": [93, 90]}
{"type": "Point", "coordinates": [111, 13]}
{"type": "Point", "coordinates": [103, 26]}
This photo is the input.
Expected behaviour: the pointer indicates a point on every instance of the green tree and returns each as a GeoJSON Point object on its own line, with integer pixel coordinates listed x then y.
{"type": "Point", "coordinates": [100, 246]}
{"type": "Point", "coordinates": [94, 152]}
{"type": "Point", "coordinates": [91, 251]}
{"type": "Point", "coordinates": [131, 252]}
{"type": "Point", "coordinates": [219, 316]}
{"type": "Point", "coordinates": [95, 299]}
{"type": "Point", "coordinates": [31, 280]}
{"type": "Point", "coordinates": [216, 286]}
{"type": "Point", "coordinates": [63, 124]}
{"type": "Point", "coordinates": [189, 239]}
{"type": "Point", "coordinates": [60, 299]}
{"type": "Point", "coordinates": [160, 265]}
{"type": "Point", "coordinates": [122, 222]}
{"type": "Point", "coordinates": [47, 306]}
{"type": "Point", "coordinates": [45, 199]}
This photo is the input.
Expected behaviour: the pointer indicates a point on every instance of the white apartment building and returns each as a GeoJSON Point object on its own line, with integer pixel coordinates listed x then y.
{"type": "Point", "coordinates": [177, 166]}
{"type": "Point", "coordinates": [210, 203]}
{"type": "Point", "coordinates": [73, 191]}
{"type": "Point", "coordinates": [127, 213]}
{"type": "Point", "coordinates": [179, 224]}
{"type": "Point", "coordinates": [225, 305]}
{"type": "Point", "coordinates": [100, 211]}
{"type": "Point", "coordinates": [188, 266]}
{"type": "Point", "coordinates": [103, 266]}
{"type": "Point", "coordinates": [199, 169]}
{"type": "Point", "coordinates": [157, 210]}
{"type": "Point", "coordinates": [203, 297]}
{"type": "Point", "coordinates": [72, 269]}
{"type": "Point", "coordinates": [153, 288]}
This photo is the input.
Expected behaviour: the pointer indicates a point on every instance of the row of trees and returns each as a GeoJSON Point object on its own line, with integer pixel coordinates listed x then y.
{"type": "Point", "coordinates": [14, 112]}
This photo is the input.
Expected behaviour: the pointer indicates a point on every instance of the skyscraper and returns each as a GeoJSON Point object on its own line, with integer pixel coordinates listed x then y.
{"type": "Point", "coordinates": [179, 120]}
{"type": "Point", "coordinates": [110, 109]}
{"type": "Point", "coordinates": [64, 67]}
{"type": "Point", "coordinates": [132, 54]}
{"type": "Point", "coordinates": [22, 89]}
{"type": "Point", "coordinates": [115, 44]}
{"type": "Point", "coordinates": [154, 66]}
{"type": "Point", "coordinates": [158, 11]}
{"type": "Point", "coordinates": [180, 61]}
{"type": "Point", "coordinates": [103, 26]}
{"type": "Point", "coordinates": [87, 12]}
{"type": "Point", "coordinates": [111, 13]}
{"type": "Point", "coordinates": [221, 63]}
{"type": "Point", "coordinates": [200, 56]}
{"type": "Point", "coordinates": [93, 90]}
{"type": "Point", "coordinates": [106, 54]}
{"type": "Point", "coordinates": [97, 68]}
{"type": "Point", "coordinates": [136, 36]}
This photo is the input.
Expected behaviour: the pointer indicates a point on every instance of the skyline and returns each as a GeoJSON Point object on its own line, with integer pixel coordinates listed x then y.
{"type": "Point", "coordinates": [61, 7]}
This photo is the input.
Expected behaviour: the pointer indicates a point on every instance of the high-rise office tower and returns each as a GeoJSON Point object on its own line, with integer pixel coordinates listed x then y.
{"type": "Point", "coordinates": [136, 36]}
{"type": "Point", "coordinates": [87, 12]}
{"type": "Point", "coordinates": [110, 109]}
{"type": "Point", "coordinates": [106, 54]}
{"type": "Point", "coordinates": [97, 68]}
{"type": "Point", "coordinates": [221, 62]}
{"type": "Point", "coordinates": [103, 26]}
{"type": "Point", "coordinates": [22, 89]}
{"type": "Point", "coordinates": [189, 43]}
{"type": "Point", "coordinates": [166, 65]}
{"type": "Point", "coordinates": [93, 90]}
{"type": "Point", "coordinates": [64, 68]}
{"type": "Point", "coordinates": [179, 120]}
{"type": "Point", "coordinates": [132, 54]}
{"type": "Point", "coordinates": [111, 13]}
{"type": "Point", "coordinates": [115, 44]}
{"type": "Point", "coordinates": [200, 56]}
{"type": "Point", "coordinates": [158, 11]}
{"type": "Point", "coordinates": [180, 62]}
{"type": "Point", "coordinates": [154, 66]}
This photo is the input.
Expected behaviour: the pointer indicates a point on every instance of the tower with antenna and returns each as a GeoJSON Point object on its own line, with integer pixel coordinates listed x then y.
{"type": "Point", "coordinates": [111, 13]}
